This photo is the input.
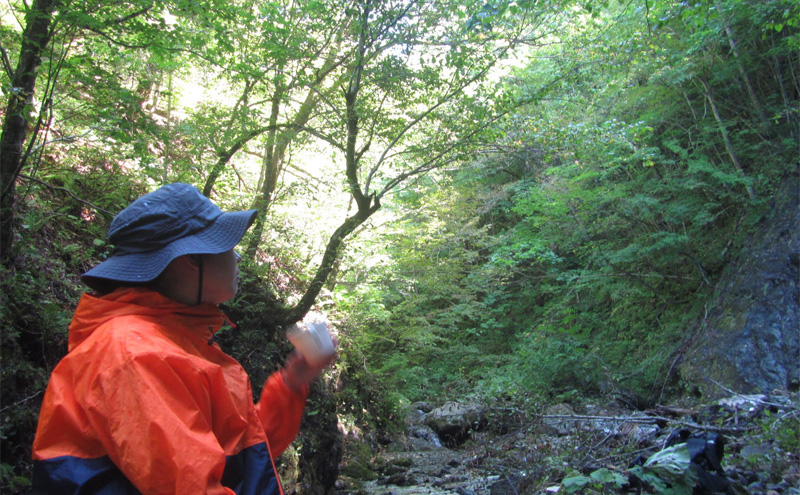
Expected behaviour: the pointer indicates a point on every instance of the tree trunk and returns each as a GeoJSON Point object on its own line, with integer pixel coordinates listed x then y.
{"type": "Point", "coordinates": [277, 145]}
{"type": "Point", "coordinates": [268, 173]}
{"type": "Point", "coordinates": [366, 204]}
{"type": "Point", "coordinates": [328, 261]}
{"type": "Point", "coordinates": [725, 137]}
{"type": "Point", "coordinates": [15, 125]}
{"type": "Point", "coordinates": [757, 108]}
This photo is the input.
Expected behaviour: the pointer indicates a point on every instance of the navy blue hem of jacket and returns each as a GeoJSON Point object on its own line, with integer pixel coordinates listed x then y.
{"type": "Point", "coordinates": [250, 472]}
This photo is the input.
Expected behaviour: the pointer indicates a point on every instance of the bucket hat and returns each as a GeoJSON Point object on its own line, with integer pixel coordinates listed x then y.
{"type": "Point", "coordinates": [172, 221]}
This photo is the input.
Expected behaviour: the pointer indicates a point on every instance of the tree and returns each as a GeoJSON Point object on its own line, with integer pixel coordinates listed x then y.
{"type": "Point", "coordinates": [51, 32]}
{"type": "Point", "coordinates": [13, 156]}
{"type": "Point", "coordinates": [396, 89]}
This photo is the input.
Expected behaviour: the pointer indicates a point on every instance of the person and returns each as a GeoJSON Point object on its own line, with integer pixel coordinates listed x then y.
{"type": "Point", "coordinates": [145, 402]}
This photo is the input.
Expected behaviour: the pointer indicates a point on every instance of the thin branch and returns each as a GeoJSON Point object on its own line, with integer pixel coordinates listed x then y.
{"type": "Point", "coordinates": [132, 15]}
{"type": "Point", "coordinates": [6, 64]}
{"type": "Point", "coordinates": [26, 399]}
{"type": "Point", "coordinates": [646, 420]}
{"type": "Point", "coordinates": [63, 189]}
{"type": "Point", "coordinates": [116, 42]}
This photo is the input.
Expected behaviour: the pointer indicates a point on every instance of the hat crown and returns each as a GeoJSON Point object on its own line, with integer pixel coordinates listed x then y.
{"type": "Point", "coordinates": [161, 217]}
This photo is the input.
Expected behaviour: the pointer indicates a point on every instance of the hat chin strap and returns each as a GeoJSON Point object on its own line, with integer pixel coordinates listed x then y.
{"type": "Point", "coordinates": [200, 281]}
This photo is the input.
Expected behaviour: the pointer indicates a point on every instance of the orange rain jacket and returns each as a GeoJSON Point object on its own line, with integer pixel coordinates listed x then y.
{"type": "Point", "coordinates": [145, 402]}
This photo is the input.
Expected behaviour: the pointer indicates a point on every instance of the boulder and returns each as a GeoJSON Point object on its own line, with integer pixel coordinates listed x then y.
{"type": "Point", "coordinates": [423, 437]}
{"type": "Point", "coordinates": [417, 412]}
{"type": "Point", "coordinates": [454, 421]}
{"type": "Point", "coordinates": [556, 421]}
{"type": "Point", "coordinates": [415, 417]}
{"type": "Point", "coordinates": [423, 406]}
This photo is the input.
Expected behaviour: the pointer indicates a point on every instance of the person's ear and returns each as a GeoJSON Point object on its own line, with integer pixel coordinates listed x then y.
{"type": "Point", "coordinates": [188, 261]}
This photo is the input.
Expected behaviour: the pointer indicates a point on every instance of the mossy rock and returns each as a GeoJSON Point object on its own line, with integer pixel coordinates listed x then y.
{"type": "Point", "coordinates": [749, 341]}
{"type": "Point", "coordinates": [358, 470]}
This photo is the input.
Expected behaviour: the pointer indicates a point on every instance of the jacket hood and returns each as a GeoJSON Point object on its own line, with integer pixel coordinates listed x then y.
{"type": "Point", "coordinates": [94, 311]}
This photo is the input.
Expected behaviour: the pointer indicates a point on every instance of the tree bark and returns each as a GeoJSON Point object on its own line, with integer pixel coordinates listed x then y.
{"type": "Point", "coordinates": [757, 108]}
{"type": "Point", "coordinates": [274, 162]}
{"type": "Point", "coordinates": [35, 39]}
{"type": "Point", "coordinates": [725, 137]}
{"type": "Point", "coordinates": [296, 313]}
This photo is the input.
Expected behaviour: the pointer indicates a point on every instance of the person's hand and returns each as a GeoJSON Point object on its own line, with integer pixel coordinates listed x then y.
{"type": "Point", "coordinates": [298, 372]}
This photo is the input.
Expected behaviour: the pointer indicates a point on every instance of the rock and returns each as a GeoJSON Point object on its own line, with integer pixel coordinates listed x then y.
{"type": "Point", "coordinates": [417, 412]}
{"type": "Point", "coordinates": [399, 479]}
{"type": "Point", "coordinates": [415, 417]}
{"type": "Point", "coordinates": [755, 451]}
{"type": "Point", "coordinates": [750, 339]}
{"type": "Point", "coordinates": [423, 406]}
{"type": "Point", "coordinates": [425, 433]}
{"type": "Point", "coordinates": [638, 433]}
{"type": "Point", "coordinates": [454, 421]}
{"type": "Point", "coordinates": [555, 421]}
{"type": "Point", "coordinates": [358, 470]}
{"type": "Point", "coordinates": [420, 445]}
{"type": "Point", "coordinates": [506, 486]}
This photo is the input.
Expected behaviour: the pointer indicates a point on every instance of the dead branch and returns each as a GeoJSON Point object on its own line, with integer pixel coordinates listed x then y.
{"type": "Point", "coordinates": [645, 420]}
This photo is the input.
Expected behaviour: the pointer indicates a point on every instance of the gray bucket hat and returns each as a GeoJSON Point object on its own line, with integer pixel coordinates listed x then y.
{"type": "Point", "coordinates": [171, 221]}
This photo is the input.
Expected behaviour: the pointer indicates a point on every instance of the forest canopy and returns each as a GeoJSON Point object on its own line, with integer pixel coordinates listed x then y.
{"type": "Point", "coordinates": [504, 199]}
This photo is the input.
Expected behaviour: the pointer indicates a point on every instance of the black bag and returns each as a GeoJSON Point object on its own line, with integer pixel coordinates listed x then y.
{"type": "Point", "coordinates": [706, 450]}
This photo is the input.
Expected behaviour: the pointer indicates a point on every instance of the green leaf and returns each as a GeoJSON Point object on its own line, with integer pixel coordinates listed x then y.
{"type": "Point", "coordinates": [605, 475]}
{"type": "Point", "coordinates": [575, 483]}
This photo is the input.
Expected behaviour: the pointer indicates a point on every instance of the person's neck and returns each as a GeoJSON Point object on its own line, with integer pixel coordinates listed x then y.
{"type": "Point", "coordinates": [178, 290]}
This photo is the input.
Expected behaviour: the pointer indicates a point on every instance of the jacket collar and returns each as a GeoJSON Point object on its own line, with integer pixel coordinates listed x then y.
{"type": "Point", "coordinates": [93, 311]}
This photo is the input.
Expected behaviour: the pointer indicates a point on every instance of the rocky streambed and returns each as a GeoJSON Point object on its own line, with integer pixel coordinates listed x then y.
{"type": "Point", "coordinates": [469, 449]}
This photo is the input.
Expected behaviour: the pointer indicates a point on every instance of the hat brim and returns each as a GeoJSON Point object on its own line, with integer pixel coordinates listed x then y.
{"type": "Point", "coordinates": [221, 236]}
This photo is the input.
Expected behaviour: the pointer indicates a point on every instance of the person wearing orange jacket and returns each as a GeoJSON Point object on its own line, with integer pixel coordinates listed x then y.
{"type": "Point", "coordinates": [145, 402]}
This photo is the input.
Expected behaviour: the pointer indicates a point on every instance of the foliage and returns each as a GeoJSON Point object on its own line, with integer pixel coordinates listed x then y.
{"type": "Point", "coordinates": [580, 248]}
{"type": "Point", "coordinates": [597, 480]}
{"type": "Point", "coordinates": [668, 472]}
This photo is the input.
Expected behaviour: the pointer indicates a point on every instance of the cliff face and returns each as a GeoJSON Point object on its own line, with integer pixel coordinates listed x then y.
{"type": "Point", "coordinates": [750, 340]}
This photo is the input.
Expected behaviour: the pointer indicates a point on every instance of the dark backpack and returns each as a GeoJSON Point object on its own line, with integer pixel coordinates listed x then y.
{"type": "Point", "coordinates": [706, 449]}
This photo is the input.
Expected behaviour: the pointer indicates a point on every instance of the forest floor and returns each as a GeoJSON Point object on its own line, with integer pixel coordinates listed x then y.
{"type": "Point", "coordinates": [596, 449]}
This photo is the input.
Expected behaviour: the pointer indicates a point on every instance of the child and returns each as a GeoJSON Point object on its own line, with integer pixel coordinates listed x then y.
{"type": "Point", "coordinates": [145, 401]}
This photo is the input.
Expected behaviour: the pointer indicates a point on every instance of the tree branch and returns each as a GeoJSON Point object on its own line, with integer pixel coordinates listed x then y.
{"type": "Point", "coordinates": [645, 420]}
{"type": "Point", "coordinates": [63, 189]}
{"type": "Point", "coordinates": [6, 64]}
{"type": "Point", "coordinates": [130, 16]}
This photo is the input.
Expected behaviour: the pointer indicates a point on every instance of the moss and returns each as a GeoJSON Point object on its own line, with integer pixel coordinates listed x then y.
{"type": "Point", "coordinates": [358, 470]}
{"type": "Point", "coordinates": [358, 463]}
